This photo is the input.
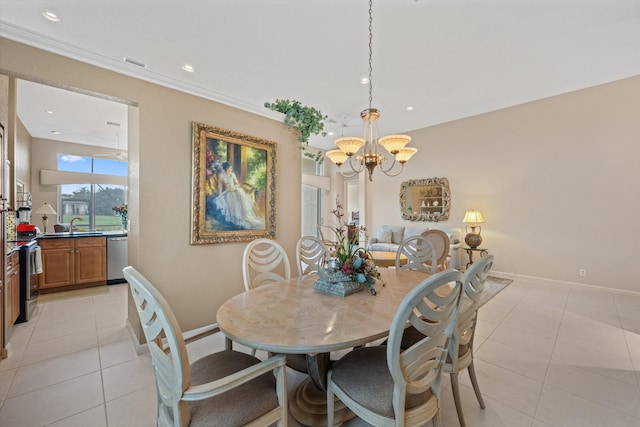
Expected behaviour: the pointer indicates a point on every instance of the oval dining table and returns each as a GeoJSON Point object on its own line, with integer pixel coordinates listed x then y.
{"type": "Point", "coordinates": [292, 317]}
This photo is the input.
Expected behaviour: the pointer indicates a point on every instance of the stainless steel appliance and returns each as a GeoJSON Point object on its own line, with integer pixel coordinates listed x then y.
{"type": "Point", "coordinates": [30, 264]}
{"type": "Point", "coordinates": [117, 259]}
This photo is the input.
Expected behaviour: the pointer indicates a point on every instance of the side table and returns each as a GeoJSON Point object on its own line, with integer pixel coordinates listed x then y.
{"type": "Point", "coordinates": [470, 251]}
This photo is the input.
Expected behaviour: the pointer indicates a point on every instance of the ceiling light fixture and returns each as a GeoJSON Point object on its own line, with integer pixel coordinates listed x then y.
{"type": "Point", "coordinates": [55, 132]}
{"type": "Point", "coordinates": [369, 157]}
{"type": "Point", "coordinates": [48, 111]}
{"type": "Point", "coordinates": [50, 16]}
{"type": "Point", "coordinates": [188, 68]}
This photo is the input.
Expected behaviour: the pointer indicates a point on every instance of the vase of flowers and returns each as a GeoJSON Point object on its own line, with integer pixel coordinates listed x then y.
{"type": "Point", "coordinates": [350, 268]}
{"type": "Point", "coordinates": [121, 211]}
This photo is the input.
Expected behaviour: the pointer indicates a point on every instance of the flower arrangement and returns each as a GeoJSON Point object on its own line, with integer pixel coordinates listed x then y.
{"type": "Point", "coordinates": [348, 258]}
{"type": "Point", "coordinates": [121, 210]}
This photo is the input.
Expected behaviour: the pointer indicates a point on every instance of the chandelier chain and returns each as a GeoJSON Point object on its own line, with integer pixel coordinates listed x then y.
{"type": "Point", "coordinates": [370, 52]}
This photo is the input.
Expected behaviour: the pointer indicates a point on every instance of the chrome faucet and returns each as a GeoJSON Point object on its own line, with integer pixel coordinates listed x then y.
{"type": "Point", "coordinates": [71, 224]}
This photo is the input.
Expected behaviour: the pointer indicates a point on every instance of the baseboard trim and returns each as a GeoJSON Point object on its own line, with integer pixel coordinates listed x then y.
{"type": "Point", "coordinates": [542, 280]}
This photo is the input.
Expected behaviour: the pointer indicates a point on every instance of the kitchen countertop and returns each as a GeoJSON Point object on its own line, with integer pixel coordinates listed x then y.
{"type": "Point", "coordinates": [77, 234]}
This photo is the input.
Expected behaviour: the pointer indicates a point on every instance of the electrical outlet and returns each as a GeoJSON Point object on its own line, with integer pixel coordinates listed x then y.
{"type": "Point", "coordinates": [582, 272]}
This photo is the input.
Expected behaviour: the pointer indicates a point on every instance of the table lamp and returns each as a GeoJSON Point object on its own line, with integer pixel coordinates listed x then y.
{"type": "Point", "coordinates": [473, 238]}
{"type": "Point", "coordinates": [46, 209]}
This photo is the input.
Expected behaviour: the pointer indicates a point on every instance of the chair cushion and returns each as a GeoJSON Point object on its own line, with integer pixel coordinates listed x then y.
{"type": "Point", "coordinates": [239, 405]}
{"type": "Point", "coordinates": [364, 376]}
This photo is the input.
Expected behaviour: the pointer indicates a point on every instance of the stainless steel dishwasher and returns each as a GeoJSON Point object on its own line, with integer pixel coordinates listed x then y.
{"type": "Point", "coordinates": [117, 259]}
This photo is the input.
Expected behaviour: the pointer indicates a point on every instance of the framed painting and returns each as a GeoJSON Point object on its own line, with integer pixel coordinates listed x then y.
{"type": "Point", "coordinates": [234, 181]}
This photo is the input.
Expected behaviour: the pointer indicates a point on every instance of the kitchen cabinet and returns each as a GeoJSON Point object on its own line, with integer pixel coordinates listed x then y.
{"type": "Point", "coordinates": [73, 261]}
{"type": "Point", "coordinates": [12, 288]}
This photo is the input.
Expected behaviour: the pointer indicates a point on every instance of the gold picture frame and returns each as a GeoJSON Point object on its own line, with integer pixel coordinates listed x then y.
{"type": "Point", "coordinates": [425, 199]}
{"type": "Point", "coordinates": [234, 186]}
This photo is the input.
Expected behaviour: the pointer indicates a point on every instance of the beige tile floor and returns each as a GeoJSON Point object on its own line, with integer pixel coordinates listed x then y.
{"type": "Point", "coordinates": [546, 356]}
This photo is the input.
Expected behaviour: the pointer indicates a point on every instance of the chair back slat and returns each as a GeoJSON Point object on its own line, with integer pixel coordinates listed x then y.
{"type": "Point", "coordinates": [311, 253]}
{"type": "Point", "coordinates": [418, 252]}
{"type": "Point", "coordinates": [264, 261]}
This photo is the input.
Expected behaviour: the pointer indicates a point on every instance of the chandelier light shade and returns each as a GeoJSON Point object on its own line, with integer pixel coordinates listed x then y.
{"type": "Point", "coordinates": [337, 156]}
{"type": "Point", "coordinates": [473, 238]}
{"type": "Point", "coordinates": [365, 153]}
{"type": "Point", "coordinates": [349, 145]}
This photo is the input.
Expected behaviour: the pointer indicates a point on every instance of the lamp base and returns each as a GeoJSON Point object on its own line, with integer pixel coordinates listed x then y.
{"type": "Point", "coordinates": [473, 240]}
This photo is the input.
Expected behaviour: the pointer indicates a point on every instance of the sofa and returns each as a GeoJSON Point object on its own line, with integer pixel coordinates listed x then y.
{"type": "Point", "coordinates": [389, 237]}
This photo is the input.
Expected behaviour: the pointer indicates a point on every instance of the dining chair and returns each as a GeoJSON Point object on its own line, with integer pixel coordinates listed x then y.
{"type": "Point", "coordinates": [264, 261]}
{"type": "Point", "coordinates": [440, 242]}
{"type": "Point", "coordinates": [461, 348]}
{"type": "Point", "coordinates": [220, 389]}
{"type": "Point", "coordinates": [311, 253]}
{"type": "Point", "coordinates": [389, 386]}
{"type": "Point", "coordinates": [418, 251]}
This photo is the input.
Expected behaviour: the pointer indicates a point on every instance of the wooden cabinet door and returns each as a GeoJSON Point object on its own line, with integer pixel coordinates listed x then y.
{"type": "Point", "coordinates": [58, 262]}
{"type": "Point", "coordinates": [91, 264]}
{"type": "Point", "coordinates": [14, 282]}
{"type": "Point", "coordinates": [12, 289]}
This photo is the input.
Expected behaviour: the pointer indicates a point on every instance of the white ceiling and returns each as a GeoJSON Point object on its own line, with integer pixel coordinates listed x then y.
{"type": "Point", "coordinates": [448, 59]}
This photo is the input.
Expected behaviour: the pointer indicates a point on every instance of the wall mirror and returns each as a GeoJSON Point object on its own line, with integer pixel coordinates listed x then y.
{"type": "Point", "coordinates": [425, 199]}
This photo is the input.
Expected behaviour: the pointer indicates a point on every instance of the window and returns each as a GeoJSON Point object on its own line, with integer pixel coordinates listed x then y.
{"type": "Point", "coordinates": [311, 200]}
{"type": "Point", "coordinates": [93, 201]}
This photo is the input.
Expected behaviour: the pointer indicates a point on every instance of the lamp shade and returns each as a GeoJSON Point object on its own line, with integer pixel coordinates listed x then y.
{"type": "Point", "coordinates": [336, 156]}
{"type": "Point", "coordinates": [405, 154]}
{"type": "Point", "coordinates": [473, 217]}
{"type": "Point", "coordinates": [350, 145]}
{"type": "Point", "coordinates": [45, 209]}
{"type": "Point", "coordinates": [394, 143]}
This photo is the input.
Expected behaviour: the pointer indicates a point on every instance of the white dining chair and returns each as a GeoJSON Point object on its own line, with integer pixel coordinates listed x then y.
{"type": "Point", "coordinates": [389, 386]}
{"type": "Point", "coordinates": [264, 261]}
{"type": "Point", "coordinates": [311, 253]}
{"type": "Point", "coordinates": [419, 251]}
{"type": "Point", "coordinates": [461, 349]}
{"type": "Point", "coordinates": [221, 389]}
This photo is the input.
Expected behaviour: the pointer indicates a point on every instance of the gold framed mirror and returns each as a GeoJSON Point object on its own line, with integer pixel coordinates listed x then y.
{"type": "Point", "coordinates": [425, 199]}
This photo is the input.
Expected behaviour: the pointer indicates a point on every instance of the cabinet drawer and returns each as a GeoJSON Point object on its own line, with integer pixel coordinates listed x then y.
{"type": "Point", "coordinates": [55, 243]}
{"type": "Point", "coordinates": [84, 242]}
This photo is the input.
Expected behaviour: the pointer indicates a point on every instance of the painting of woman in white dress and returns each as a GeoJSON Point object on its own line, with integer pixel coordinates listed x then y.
{"type": "Point", "coordinates": [234, 186]}
{"type": "Point", "coordinates": [235, 204]}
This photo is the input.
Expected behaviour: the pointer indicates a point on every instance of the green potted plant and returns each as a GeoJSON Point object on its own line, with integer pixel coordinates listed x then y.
{"type": "Point", "coordinates": [308, 120]}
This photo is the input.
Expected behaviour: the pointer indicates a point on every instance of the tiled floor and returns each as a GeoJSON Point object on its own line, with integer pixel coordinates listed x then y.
{"type": "Point", "coordinates": [546, 356]}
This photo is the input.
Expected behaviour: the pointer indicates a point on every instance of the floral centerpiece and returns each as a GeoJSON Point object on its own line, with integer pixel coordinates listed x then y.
{"type": "Point", "coordinates": [351, 267]}
{"type": "Point", "coordinates": [121, 211]}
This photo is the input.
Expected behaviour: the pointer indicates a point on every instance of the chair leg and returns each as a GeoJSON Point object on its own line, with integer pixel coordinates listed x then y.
{"type": "Point", "coordinates": [455, 387]}
{"type": "Point", "coordinates": [330, 402]}
{"type": "Point", "coordinates": [474, 382]}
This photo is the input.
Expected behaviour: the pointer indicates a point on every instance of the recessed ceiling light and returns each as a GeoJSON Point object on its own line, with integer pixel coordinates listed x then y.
{"type": "Point", "coordinates": [50, 16]}
{"type": "Point", "coordinates": [330, 133]}
{"type": "Point", "coordinates": [364, 80]}
{"type": "Point", "coordinates": [409, 108]}
{"type": "Point", "coordinates": [188, 68]}
{"type": "Point", "coordinates": [48, 111]}
{"type": "Point", "coordinates": [55, 132]}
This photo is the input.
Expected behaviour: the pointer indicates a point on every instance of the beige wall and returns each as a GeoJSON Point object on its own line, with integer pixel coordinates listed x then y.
{"type": "Point", "coordinates": [196, 280]}
{"type": "Point", "coordinates": [557, 182]}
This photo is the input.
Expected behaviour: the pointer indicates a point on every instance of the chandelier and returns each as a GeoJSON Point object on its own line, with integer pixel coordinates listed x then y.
{"type": "Point", "coordinates": [365, 153]}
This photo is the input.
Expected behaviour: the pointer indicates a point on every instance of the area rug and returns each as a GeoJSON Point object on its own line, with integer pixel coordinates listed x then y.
{"type": "Point", "coordinates": [76, 293]}
{"type": "Point", "coordinates": [492, 287]}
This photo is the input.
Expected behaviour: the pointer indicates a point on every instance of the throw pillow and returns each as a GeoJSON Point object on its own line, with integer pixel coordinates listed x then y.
{"type": "Point", "coordinates": [384, 236]}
